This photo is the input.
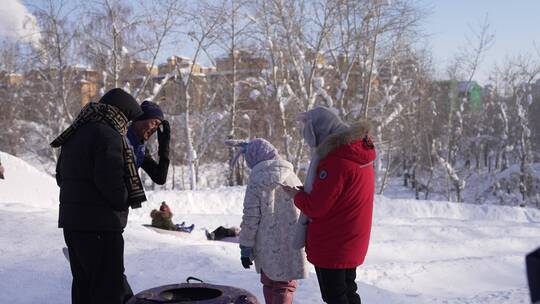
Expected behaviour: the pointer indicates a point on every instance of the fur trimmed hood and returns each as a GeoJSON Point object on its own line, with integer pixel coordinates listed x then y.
{"type": "Point", "coordinates": [355, 132]}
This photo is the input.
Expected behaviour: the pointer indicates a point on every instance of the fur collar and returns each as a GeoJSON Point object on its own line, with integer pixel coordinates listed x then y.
{"type": "Point", "coordinates": [355, 132]}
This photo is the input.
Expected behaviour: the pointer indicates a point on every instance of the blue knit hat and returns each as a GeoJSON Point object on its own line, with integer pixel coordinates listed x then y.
{"type": "Point", "coordinates": [151, 110]}
{"type": "Point", "coordinates": [255, 151]}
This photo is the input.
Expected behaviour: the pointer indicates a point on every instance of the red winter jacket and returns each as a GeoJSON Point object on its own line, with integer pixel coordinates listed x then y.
{"type": "Point", "coordinates": [340, 204]}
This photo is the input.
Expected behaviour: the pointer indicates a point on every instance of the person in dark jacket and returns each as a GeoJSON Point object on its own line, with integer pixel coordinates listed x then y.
{"type": "Point", "coordinates": [138, 135]}
{"type": "Point", "coordinates": [222, 232]}
{"type": "Point", "coordinates": [532, 261]}
{"type": "Point", "coordinates": [98, 183]}
{"type": "Point", "coordinates": [341, 196]}
{"type": "Point", "coordinates": [1, 171]}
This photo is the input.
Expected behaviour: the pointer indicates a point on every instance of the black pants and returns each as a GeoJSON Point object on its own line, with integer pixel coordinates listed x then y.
{"type": "Point", "coordinates": [97, 266]}
{"type": "Point", "coordinates": [338, 286]}
{"type": "Point", "coordinates": [533, 274]}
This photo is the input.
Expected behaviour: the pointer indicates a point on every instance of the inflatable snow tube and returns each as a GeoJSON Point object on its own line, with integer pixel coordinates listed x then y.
{"type": "Point", "coordinates": [199, 293]}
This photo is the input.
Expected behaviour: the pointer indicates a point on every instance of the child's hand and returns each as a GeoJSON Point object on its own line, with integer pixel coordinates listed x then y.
{"type": "Point", "coordinates": [246, 262]}
{"type": "Point", "coordinates": [246, 254]}
{"type": "Point", "coordinates": [291, 192]}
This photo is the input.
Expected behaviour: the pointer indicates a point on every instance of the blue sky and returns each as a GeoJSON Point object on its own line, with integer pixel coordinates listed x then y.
{"type": "Point", "coordinates": [515, 23]}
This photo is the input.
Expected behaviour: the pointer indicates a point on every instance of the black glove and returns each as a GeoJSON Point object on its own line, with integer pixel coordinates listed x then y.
{"type": "Point", "coordinates": [164, 138]}
{"type": "Point", "coordinates": [246, 262]}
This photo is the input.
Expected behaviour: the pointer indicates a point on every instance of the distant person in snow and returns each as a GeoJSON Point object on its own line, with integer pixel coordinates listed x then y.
{"type": "Point", "coordinates": [1, 171]}
{"type": "Point", "coordinates": [98, 183]}
{"type": "Point", "coordinates": [222, 232]}
{"type": "Point", "coordinates": [162, 219]}
{"type": "Point", "coordinates": [268, 221]}
{"type": "Point", "coordinates": [140, 131]}
{"type": "Point", "coordinates": [338, 193]}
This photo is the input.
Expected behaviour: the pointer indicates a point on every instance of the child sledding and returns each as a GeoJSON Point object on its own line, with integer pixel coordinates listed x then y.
{"type": "Point", "coordinates": [162, 219]}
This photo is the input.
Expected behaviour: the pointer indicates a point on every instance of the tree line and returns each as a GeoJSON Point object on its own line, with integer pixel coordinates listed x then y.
{"type": "Point", "coordinates": [442, 136]}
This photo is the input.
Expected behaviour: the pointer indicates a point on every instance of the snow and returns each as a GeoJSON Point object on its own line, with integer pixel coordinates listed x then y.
{"type": "Point", "coordinates": [254, 94]}
{"type": "Point", "coordinates": [185, 73]}
{"type": "Point", "coordinates": [318, 82]}
{"type": "Point", "coordinates": [420, 251]}
{"type": "Point", "coordinates": [25, 184]}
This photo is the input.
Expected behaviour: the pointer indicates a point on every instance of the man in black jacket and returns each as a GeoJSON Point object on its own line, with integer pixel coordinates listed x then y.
{"type": "Point", "coordinates": [138, 134]}
{"type": "Point", "coordinates": [98, 182]}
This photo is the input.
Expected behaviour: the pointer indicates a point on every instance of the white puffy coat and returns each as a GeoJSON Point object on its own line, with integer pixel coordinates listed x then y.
{"type": "Point", "coordinates": [269, 220]}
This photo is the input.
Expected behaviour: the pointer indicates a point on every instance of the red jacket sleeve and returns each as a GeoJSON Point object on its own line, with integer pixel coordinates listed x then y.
{"type": "Point", "coordinates": [327, 188]}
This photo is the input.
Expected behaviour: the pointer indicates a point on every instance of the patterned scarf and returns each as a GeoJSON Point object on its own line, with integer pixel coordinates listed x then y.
{"type": "Point", "coordinates": [94, 112]}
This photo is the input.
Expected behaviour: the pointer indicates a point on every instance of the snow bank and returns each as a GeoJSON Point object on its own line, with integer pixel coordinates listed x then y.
{"type": "Point", "coordinates": [410, 208]}
{"type": "Point", "coordinates": [229, 201]}
{"type": "Point", "coordinates": [221, 201]}
{"type": "Point", "coordinates": [26, 184]}
{"type": "Point", "coordinates": [420, 251]}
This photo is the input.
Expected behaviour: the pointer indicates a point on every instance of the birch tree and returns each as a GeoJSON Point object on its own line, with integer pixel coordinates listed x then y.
{"type": "Point", "coordinates": [202, 32]}
{"type": "Point", "coordinates": [466, 64]}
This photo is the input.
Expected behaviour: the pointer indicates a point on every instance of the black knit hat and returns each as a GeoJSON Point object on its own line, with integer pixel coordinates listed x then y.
{"type": "Point", "coordinates": [123, 101]}
{"type": "Point", "coordinates": [151, 110]}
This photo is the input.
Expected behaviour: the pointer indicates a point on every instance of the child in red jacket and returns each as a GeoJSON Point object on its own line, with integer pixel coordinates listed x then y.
{"type": "Point", "coordinates": [162, 219]}
{"type": "Point", "coordinates": [341, 197]}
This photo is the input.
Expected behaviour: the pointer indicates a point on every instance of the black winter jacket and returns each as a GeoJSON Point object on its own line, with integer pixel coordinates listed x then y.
{"type": "Point", "coordinates": [90, 173]}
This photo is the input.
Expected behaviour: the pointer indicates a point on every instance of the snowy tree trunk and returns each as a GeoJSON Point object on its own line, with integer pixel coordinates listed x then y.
{"type": "Point", "coordinates": [522, 101]}
{"type": "Point", "coordinates": [233, 172]}
{"type": "Point", "coordinates": [115, 55]}
{"type": "Point", "coordinates": [191, 153]}
{"type": "Point", "coordinates": [285, 135]}
{"type": "Point", "coordinates": [365, 106]}
{"type": "Point", "coordinates": [387, 171]}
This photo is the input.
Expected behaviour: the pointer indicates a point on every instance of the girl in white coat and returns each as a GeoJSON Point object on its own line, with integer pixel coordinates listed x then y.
{"type": "Point", "coordinates": [268, 221]}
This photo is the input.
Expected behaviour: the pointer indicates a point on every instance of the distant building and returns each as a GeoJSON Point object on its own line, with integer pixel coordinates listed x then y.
{"type": "Point", "coordinates": [472, 91]}
{"type": "Point", "coordinates": [136, 71]}
{"type": "Point", "coordinates": [9, 79]}
{"type": "Point", "coordinates": [169, 93]}
{"type": "Point", "coordinates": [179, 62]}
{"type": "Point", "coordinates": [249, 66]}
{"type": "Point", "coordinates": [86, 83]}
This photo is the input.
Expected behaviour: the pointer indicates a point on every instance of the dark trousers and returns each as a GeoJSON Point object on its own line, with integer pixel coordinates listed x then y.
{"type": "Point", "coordinates": [338, 286]}
{"type": "Point", "coordinates": [533, 274]}
{"type": "Point", "coordinates": [97, 266]}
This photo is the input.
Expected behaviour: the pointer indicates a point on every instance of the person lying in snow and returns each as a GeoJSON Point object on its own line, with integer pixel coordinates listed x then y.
{"type": "Point", "coordinates": [268, 221]}
{"type": "Point", "coordinates": [162, 219]}
{"type": "Point", "coordinates": [221, 232]}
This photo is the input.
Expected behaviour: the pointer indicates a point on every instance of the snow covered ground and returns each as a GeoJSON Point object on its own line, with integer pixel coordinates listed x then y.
{"type": "Point", "coordinates": [421, 251]}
